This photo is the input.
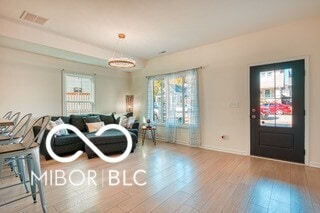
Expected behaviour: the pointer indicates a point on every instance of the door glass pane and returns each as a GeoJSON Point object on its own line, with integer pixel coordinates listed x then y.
{"type": "Point", "coordinates": [276, 98]}
{"type": "Point", "coordinates": [267, 95]}
{"type": "Point", "coordinates": [283, 102]}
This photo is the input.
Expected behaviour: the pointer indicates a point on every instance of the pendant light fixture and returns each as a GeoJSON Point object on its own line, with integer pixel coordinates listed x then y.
{"type": "Point", "coordinates": [118, 60]}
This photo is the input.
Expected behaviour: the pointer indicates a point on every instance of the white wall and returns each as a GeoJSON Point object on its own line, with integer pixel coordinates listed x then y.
{"type": "Point", "coordinates": [225, 80]}
{"type": "Point", "coordinates": [32, 83]}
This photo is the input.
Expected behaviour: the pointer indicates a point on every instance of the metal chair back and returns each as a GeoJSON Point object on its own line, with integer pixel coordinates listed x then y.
{"type": "Point", "coordinates": [20, 128]}
{"type": "Point", "coordinates": [14, 118]}
{"type": "Point", "coordinates": [7, 115]}
{"type": "Point", "coordinates": [28, 140]}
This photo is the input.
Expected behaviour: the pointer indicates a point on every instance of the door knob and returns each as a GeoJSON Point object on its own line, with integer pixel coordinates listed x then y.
{"type": "Point", "coordinates": [253, 116]}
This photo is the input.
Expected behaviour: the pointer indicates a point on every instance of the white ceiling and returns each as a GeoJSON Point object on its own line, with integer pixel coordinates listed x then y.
{"type": "Point", "coordinates": [151, 26]}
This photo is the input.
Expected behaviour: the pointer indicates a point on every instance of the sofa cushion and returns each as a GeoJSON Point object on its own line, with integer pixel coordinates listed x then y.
{"type": "Point", "coordinates": [107, 119]}
{"type": "Point", "coordinates": [92, 119]}
{"type": "Point", "coordinates": [134, 131]}
{"type": "Point", "coordinates": [135, 125]}
{"type": "Point", "coordinates": [77, 121]}
{"type": "Point", "coordinates": [67, 140]}
{"type": "Point", "coordinates": [110, 136]}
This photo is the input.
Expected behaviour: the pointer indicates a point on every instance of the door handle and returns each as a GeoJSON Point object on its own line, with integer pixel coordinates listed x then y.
{"type": "Point", "coordinates": [253, 116]}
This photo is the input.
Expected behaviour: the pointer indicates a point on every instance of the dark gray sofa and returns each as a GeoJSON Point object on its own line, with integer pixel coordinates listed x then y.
{"type": "Point", "coordinates": [110, 142]}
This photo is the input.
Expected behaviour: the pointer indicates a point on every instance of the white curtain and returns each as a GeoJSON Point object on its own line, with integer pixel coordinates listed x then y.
{"type": "Point", "coordinates": [173, 110]}
{"type": "Point", "coordinates": [194, 110]}
{"type": "Point", "coordinates": [171, 122]}
{"type": "Point", "coordinates": [150, 99]}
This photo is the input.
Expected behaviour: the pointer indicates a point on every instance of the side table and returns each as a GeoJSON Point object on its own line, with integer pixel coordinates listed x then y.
{"type": "Point", "coordinates": [153, 133]}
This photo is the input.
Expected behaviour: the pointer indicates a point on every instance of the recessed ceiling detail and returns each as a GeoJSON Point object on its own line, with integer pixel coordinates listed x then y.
{"type": "Point", "coordinates": [195, 24]}
{"type": "Point", "coordinates": [86, 28]}
{"type": "Point", "coordinates": [26, 16]}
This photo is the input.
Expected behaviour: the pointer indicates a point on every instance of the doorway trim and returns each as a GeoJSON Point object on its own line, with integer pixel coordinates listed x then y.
{"type": "Point", "coordinates": [306, 59]}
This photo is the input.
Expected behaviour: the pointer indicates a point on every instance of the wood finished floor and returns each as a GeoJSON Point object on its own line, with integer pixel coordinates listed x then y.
{"type": "Point", "coordinates": [180, 179]}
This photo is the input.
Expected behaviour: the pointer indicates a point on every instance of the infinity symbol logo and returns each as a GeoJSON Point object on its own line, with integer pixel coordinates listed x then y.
{"type": "Point", "coordinates": [89, 143]}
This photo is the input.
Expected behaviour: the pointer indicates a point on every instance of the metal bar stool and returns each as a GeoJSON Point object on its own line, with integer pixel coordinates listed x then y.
{"type": "Point", "coordinates": [15, 136]}
{"type": "Point", "coordinates": [28, 149]}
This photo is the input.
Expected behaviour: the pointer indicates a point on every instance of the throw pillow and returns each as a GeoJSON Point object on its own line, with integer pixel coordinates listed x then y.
{"type": "Point", "coordinates": [107, 119]}
{"type": "Point", "coordinates": [118, 120]}
{"type": "Point", "coordinates": [52, 124]}
{"type": "Point", "coordinates": [117, 117]}
{"type": "Point", "coordinates": [131, 121]}
{"type": "Point", "coordinates": [94, 127]}
{"type": "Point", "coordinates": [65, 119]}
{"type": "Point", "coordinates": [129, 114]}
{"type": "Point", "coordinates": [123, 121]}
{"type": "Point", "coordinates": [77, 121]}
{"type": "Point", "coordinates": [61, 131]}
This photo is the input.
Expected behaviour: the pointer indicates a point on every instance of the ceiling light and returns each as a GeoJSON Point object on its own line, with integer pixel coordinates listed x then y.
{"type": "Point", "coordinates": [118, 60]}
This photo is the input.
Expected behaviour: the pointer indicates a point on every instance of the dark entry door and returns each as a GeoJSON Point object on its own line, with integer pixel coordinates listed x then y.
{"type": "Point", "coordinates": [277, 110]}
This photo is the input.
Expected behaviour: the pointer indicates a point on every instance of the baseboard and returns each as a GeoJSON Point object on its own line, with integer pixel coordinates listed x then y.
{"type": "Point", "coordinates": [232, 151]}
{"type": "Point", "coordinates": [314, 164]}
{"type": "Point", "coordinates": [184, 143]}
{"type": "Point", "coordinates": [178, 141]}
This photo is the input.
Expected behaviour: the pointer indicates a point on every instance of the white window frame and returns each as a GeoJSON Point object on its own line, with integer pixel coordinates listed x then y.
{"type": "Point", "coordinates": [64, 86]}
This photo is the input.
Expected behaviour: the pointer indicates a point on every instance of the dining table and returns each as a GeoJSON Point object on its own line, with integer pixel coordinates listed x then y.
{"type": "Point", "coordinates": [6, 122]}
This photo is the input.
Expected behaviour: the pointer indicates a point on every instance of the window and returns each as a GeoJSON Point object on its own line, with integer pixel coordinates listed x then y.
{"type": "Point", "coordinates": [173, 100]}
{"type": "Point", "coordinates": [78, 94]}
{"type": "Point", "coordinates": [159, 101]}
{"type": "Point", "coordinates": [177, 100]}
